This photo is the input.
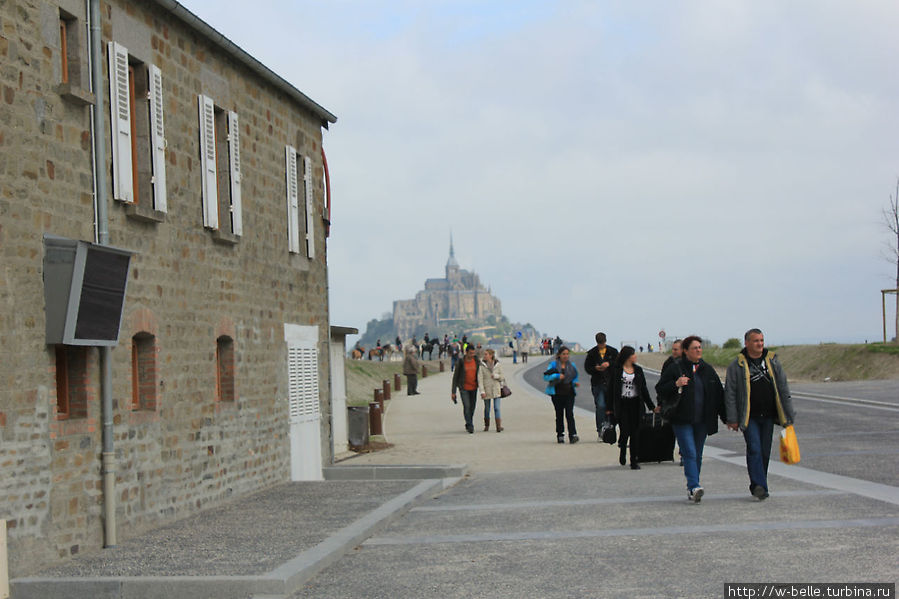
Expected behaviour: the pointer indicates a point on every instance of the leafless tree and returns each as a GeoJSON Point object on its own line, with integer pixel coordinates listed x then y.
{"type": "Point", "coordinates": [891, 220]}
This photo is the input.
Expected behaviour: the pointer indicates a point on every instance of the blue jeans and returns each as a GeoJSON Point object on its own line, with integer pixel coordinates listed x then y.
{"type": "Point", "coordinates": [599, 401]}
{"type": "Point", "coordinates": [469, 403]}
{"type": "Point", "coordinates": [496, 413]}
{"type": "Point", "coordinates": [691, 440]}
{"type": "Point", "coordinates": [758, 450]}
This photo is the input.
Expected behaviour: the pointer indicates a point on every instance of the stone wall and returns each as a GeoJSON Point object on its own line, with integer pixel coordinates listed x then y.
{"type": "Point", "coordinates": [189, 450]}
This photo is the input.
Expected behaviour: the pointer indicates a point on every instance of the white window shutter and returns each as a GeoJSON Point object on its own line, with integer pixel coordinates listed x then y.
{"type": "Point", "coordinates": [302, 393]}
{"type": "Point", "coordinates": [307, 184]}
{"type": "Point", "coordinates": [120, 123]}
{"type": "Point", "coordinates": [157, 138]}
{"type": "Point", "coordinates": [293, 201]}
{"type": "Point", "coordinates": [234, 158]}
{"type": "Point", "coordinates": [207, 162]}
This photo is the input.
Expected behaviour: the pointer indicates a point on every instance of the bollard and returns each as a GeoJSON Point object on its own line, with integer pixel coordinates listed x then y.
{"type": "Point", "coordinates": [442, 366]}
{"type": "Point", "coordinates": [396, 382]}
{"type": "Point", "coordinates": [379, 397]}
{"type": "Point", "coordinates": [386, 386]}
{"type": "Point", "coordinates": [374, 418]}
{"type": "Point", "coordinates": [424, 371]}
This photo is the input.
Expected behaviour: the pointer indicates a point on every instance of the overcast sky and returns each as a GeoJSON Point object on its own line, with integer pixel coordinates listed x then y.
{"type": "Point", "coordinates": [694, 166]}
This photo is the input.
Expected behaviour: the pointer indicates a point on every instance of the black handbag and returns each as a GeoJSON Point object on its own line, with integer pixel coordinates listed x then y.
{"type": "Point", "coordinates": [607, 433]}
{"type": "Point", "coordinates": [504, 391]}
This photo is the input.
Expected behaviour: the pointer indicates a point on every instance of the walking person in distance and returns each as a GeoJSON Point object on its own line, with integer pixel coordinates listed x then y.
{"type": "Point", "coordinates": [410, 368]}
{"type": "Point", "coordinates": [628, 394]}
{"type": "Point", "coordinates": [694, 393]}
{"type": "Point", "coordinates": [598, 364]}
{"type": "Point", "coordinates": [465, 379]}
{"type": "Point", "coordinates": [561, 377]}
{"type": "Point", "coordinates": [755, 395]}
{"type": "Point", "coordinates": [491, 380]}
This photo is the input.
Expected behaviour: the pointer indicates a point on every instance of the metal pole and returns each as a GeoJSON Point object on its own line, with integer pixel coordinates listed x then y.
{"type": "Point", "coordinates": [99, 146]}
{"type": "Point", "coordinates": [883, 307]}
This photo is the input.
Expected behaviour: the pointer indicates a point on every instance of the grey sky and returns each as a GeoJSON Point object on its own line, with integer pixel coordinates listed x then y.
{"type": "Point", "coordinates": [698, 166]}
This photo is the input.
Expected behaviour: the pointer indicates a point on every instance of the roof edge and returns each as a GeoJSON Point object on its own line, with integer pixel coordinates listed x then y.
{"type": "Point", "coordinates": [236, 52]}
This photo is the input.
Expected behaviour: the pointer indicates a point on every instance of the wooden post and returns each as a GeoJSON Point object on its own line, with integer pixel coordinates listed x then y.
{"type": "Point", "coordinates": [374, 418]}
{"type": "Point", "coordinates": [386, 386]}
{"type": "Point", "coordinates": [379, 397]}
{"type": "Point", "coordinates": [396, 382]}
{"type": "Point", "coordinates": [424, 371]}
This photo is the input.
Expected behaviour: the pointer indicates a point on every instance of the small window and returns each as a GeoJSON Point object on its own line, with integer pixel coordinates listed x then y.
{"type": "Point", "coordinates": [69, 56]}
{"type": "Point", "coordinates": [72, 390]}
{"type": "Point", "coordinates": [300, 233]}
{"type": "Point", "coordinates": [138, 148]}
{"type": "Point", "coordinates": [144, 371]}
{"type": "Point", "coordinates": [224, 366]}
{"type": "Point", "coordinates": [220, 158]}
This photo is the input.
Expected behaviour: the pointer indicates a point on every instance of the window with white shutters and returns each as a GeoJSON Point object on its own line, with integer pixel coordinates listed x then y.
{"type": "Point", "coordinates": [307, 185]}
{"type": "Point", "coordinates": [293, 201]}
{"type": "Point", "coordinates": [207, 162]}
{"type": "Point", "coordinates": [120, 123]}
{"type": "Point", "coordinates": [302, 375]}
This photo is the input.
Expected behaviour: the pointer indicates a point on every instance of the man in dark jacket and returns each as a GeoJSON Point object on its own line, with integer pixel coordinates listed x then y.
{"type": "Point", "coordinates": [755, 396]}
{"type": "Point", "coordinates": [598, 364]}
{"type": "Point", "coordinates": [696, 389]}
{"type": "Point", "coordinates": [676, 351]}
{"type": "Point", "coordinates": [465, 379]}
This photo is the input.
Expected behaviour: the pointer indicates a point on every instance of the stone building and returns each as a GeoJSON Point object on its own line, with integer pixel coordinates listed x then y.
{"type": "Point", "coordinates": [216, 181]}
{"type": "Point", "coordinates": [459, 296]}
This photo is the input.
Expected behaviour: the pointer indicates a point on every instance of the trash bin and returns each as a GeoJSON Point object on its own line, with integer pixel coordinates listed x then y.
{"type": "Point", "coordinates": [357, 426]}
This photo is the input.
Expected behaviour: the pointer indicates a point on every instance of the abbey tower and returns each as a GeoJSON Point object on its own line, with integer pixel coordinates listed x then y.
{"type": "Point", "coordinates": [459, 296]}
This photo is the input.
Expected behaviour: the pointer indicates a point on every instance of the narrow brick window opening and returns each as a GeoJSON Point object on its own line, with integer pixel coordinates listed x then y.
{"type": "Point", "coordinates": [144, 371]}
{"type": "Point", "coordinates": [69, 59]}
{"type": "Point", "coordinates": [71, 382]}
{"type": "Point", "coordinates": [224, 363]}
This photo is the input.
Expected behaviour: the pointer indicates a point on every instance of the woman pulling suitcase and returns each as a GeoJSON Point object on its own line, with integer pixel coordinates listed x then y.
{"type": "Point", "coordinates": [628, 390]}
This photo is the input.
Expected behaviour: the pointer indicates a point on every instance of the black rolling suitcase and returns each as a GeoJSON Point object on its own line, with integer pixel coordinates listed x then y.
{"type": "Point", "coordinates": [655, 440]}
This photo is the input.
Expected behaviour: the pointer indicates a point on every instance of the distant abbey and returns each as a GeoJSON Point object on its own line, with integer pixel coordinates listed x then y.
{"type": "Point", "coordinates": [459, 296]}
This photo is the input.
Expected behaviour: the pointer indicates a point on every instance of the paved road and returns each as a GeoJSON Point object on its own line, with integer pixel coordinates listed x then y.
{"type": "Point", "coordinates": [851, 429]}
{"type": "Point", "coordinates": [606, 531]}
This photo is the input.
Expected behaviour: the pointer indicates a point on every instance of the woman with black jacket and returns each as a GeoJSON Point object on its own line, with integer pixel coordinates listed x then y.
{"type": "Point", "coordinates": [691, 392]}
{"type": "Point", "coordinates": [627, 388]}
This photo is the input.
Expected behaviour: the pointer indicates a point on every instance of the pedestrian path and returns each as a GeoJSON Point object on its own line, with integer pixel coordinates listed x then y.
{"type": "Point", "coordinates": [429, 429]}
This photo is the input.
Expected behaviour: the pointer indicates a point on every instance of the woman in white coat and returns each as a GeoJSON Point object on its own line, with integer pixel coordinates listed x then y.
{"type": "Point", "coordinates": [490, 380]}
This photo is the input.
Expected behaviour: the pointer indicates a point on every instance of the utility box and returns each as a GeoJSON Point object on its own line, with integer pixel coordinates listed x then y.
{"type": "Point", "coordinates": [84, 291]}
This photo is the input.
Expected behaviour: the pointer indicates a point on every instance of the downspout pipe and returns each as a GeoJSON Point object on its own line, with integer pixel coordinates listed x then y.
{"type": "Point", "coordinates": [108, 471]}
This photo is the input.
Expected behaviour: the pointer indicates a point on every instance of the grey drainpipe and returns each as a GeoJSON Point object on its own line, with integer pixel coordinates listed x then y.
{"type": "Point", "coordinates": [99, 111]}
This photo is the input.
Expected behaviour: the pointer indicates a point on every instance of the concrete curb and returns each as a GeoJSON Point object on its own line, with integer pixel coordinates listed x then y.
{"type": "Point", "coordinates": [399, 472]}
{"type": "Point", "coordinates": [280, 582]}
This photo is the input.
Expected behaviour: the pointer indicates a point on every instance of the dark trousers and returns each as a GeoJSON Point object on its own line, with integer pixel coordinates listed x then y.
{"type": "Point", "coordinates": [469, 403]}
{"type": "Point", "coordinates": [411, 384]}
{"type": "Point", "coordinates": [758, 450]}
{"type": "Point", "coordinates": [629, 424]}
{"type": "Point", "coordinates": [564, 405]}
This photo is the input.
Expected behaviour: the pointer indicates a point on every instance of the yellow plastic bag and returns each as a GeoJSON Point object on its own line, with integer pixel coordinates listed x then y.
{"type": "Point", "coordinates": [789, 446]}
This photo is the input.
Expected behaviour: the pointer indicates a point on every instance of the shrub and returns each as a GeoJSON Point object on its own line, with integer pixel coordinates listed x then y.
{"type": "Point", "coordinates": [732, 343]}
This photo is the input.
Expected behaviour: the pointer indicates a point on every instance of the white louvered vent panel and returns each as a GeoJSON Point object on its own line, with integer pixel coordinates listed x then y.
{"type": "Point", "coordinates": [302, 364]}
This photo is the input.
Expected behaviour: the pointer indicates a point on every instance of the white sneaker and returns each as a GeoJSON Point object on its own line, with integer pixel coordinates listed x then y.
{"type": "Point", "coordinates": [696, 494]}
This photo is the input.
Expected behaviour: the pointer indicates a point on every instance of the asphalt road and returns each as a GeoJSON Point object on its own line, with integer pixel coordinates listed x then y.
{"type": "Point", "coordinates": [605, 531]}
{"type": "Point", "coordinates": [851, 429]}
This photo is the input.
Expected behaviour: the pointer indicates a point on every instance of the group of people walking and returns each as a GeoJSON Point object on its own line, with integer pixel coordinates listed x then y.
{"type": "Point", "coordinates": [486, 374]}
{"type": "Point", "coordinates": [690, 396]}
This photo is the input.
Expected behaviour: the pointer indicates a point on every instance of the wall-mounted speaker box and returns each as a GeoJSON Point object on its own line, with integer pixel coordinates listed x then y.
{"type": "Point", "coordinates": [84, 291]}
